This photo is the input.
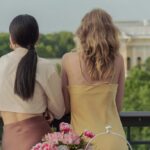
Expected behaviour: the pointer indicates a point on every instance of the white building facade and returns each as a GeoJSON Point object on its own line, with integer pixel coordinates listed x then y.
{"type": "Point", "coordinates": [135, 42]}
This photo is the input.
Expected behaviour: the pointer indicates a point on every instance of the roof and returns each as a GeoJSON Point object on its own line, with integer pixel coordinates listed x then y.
{"type": "Point", "coordinates": [134, 29]}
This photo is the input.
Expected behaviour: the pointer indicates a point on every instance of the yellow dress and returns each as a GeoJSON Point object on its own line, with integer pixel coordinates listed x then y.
{"type": "Point", "coordinates": [93, 107]}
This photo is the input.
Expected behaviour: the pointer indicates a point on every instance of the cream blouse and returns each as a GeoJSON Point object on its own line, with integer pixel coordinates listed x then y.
{"type": "Point", "coordinates": [47, 94]}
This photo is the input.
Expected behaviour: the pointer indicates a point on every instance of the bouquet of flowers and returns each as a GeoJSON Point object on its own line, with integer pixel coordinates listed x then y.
{"type": "Point", "coordinates": [66, 139]}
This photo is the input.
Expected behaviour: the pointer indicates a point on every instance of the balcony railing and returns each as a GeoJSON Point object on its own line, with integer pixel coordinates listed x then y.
{"type": "Point", "coordinates": [135, 119]}
{"type": "Point", "coordinates": [129, 119]}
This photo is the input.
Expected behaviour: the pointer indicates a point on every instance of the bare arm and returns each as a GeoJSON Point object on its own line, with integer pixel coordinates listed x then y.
{"type": "Point", "coordinates": [120, 90]}
{"type": "Point", "coordinates": [64, 79]}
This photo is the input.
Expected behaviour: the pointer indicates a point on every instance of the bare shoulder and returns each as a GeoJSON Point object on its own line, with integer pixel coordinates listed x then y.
{"type": "Point", "coordinates": [69, 60]}
{"type": "Point", "coordinates": [69, 56]}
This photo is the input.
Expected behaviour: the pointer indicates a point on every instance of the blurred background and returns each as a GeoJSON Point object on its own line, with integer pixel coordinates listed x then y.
{"type": "Point", "coordinates": [59, 19]}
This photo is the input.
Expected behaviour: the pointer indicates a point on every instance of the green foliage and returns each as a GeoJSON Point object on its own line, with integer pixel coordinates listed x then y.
{"type": "Point", "coordinates": [137, 89]}
{"type": "Point", "coordinates": [137, 98]}
{"type": "Point", "coordinates": [49, 45]}
{"type": "Point", "coordinates": [4, 43]}
{"type": "Point", "coordinates": [147, 64]}
{"type": "Point", "coordinates": [58, 68]}
{"type": "Point", "coordinates": [55, 45]}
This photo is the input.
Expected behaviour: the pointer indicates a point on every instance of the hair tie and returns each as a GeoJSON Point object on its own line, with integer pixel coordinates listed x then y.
{"type": "Point", "coordinates": [30, 47]}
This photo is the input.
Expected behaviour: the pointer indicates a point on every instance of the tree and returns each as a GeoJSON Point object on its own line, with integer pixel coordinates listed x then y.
{"type": "Point", "coordinates": [137, 87]}
{"type": "Point", "coordinates": [55, 45]}
{"type": "Point", "coordinates": [49, 45]}
{"type": "Point", "coordinates": [137, 98]}
{"type": "Point", "coordinates": [4, 43]}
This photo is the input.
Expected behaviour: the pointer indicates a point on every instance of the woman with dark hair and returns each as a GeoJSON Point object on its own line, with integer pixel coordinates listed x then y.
{"type": "Point", "coordinates": [93, 80]}
{"type": "Point", "coordinates": [29, 86]}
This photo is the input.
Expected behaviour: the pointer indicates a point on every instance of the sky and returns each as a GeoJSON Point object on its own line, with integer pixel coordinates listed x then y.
{"type": "Point", "coordinates": [65, 15]}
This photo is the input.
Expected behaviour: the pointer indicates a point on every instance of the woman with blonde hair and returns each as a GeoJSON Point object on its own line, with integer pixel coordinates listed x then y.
{"type": "Point", "coordinates": [93, 80]}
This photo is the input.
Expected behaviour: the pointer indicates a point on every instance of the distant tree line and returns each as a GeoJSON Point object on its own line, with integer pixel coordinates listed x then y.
{"type": "Point", "coordinates": [49, 45]}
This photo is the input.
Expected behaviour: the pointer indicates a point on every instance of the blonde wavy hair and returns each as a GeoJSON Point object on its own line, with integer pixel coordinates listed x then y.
{"type": "Point", "coordinates": [99, 42]}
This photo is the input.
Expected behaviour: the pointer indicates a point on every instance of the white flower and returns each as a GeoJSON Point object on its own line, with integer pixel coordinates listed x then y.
{"type": "Point", "coordinates": [63, 147]}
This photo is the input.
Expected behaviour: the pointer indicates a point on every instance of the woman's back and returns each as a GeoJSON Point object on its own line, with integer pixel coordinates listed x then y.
{"type": "Point", "coordinates": [13, 108]}
{"type": "Point", "coordinates": [93, 104]}
{"type": "Point", "coordinates": [29, 86]}
{"type": "Point", "coordinates": [77, 71]}
{"type": "Point", "coordinates": [95, 77]}
{"type": "Point", "coordinates": [93, 107]}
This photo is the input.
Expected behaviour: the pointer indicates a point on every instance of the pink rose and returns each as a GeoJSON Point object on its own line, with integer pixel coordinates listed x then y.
{"type": "Point", "coordinates": [54, 138]}
{"type": "Point", "coordinates": [71, 138]}
{"type": "Point", "coordinates": [88, 134]}
{"type": "Point", "coordinates": [37, 146]}
{"type": "Point", "coordinates": [76, 138]}
{"type": "Point", "coordinates": [46, 146]}
{"type": "Point", "coordinates": [65, 127]}
{"type": "Point", "coordinates": [67, 139]}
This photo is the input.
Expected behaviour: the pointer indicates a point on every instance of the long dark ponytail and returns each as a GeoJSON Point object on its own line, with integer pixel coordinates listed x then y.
{"type": "Point", "coordinates": [24, 31]}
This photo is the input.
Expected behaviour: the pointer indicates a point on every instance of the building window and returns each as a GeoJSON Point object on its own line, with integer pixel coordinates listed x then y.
{"type": "Point", "coordinates": [128, 63]}
{"type": "Point", "coordinates": [139, 61]}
